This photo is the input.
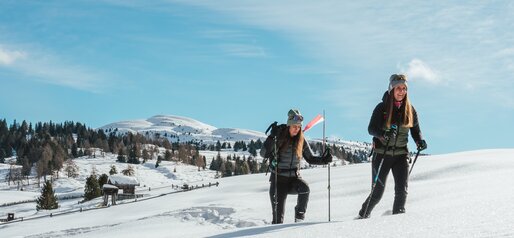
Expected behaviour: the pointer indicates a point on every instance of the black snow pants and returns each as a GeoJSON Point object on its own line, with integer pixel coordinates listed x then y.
{"type": "Point", "coordinates": [400, 166]}
{"type": "Point", "coordinates": [285, 186]}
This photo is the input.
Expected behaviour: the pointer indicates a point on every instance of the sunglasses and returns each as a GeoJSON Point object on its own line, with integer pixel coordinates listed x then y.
{"type": "Point", "coordinates": [400, 77]}
{"type": "Point", "coordinates": [296, 118]}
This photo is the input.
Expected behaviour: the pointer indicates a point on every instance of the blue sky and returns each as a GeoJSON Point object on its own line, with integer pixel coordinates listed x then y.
{"type": "Point", "coordinates": [243, 64]}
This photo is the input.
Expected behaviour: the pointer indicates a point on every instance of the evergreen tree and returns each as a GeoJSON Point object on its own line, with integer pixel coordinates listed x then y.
{"type": "Point", "coordinates": [258, 144]}
{"type": "Point", "coordinates": [214, 165]}
{"type": "Point", "coordinates": [121, 156]}
{"type": "Point", "coordinates": [134, 154]}
{"type": "Point", "coordinates": [102, 180]}
{"type": "Point", "coordinates": [92, 188]}
{"type": "Point", "coordinates": [3, 155]}
{"type": "Point", "coordinates": [47, 200]}
{"type": "Point", "coordinates": [252, 151]}
{"type": "Point", "coordinates": [168, 155]}
{"type": "Point", "coordinates": [229, 169]}
{"type": "Point", "coordinates": [113, 170]}
{"type": "Point", "coordinates": [218, 146]}
{"type": "Point", "coordinates": [74, 150]}
{"type": "Point", "coordinates": [237, 146]}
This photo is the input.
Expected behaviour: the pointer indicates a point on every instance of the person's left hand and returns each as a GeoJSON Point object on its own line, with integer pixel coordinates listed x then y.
{"type": "Point", "coordinates": [422, 145]}
{"type": "Point", "coordinates": [327, 156]}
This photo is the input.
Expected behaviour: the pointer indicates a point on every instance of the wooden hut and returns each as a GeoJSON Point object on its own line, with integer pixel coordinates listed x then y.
{"type": "Point", "coordinates": [111, 190]}
{"type": "Point", "coordinates": [125, 183]}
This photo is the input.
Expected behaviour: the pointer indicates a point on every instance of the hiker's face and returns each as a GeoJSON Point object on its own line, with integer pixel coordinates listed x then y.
{"type": "Point", "coordinates": [400, 92]}
{"type": "Point", "coordinates": [294, 129]}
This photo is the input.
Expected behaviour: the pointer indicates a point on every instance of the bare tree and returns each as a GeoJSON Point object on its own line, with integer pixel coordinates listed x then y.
{"type": "Point", "coordinates": [71, 169]}
{"type": "Point", "coordinates": [129, 171]}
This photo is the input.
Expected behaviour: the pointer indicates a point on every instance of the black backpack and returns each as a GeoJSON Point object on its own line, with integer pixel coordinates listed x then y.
{"type": "Point", "coordinates": [275, 131]}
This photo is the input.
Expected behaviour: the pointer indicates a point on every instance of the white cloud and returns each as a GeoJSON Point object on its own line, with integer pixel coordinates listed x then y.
{"type": "Point", "coordinates": [419, 70]}
{"type": "Point", "coordinates": [48, 68]}
{"type": "Point", "coordinates": [243, 50]}
{"type": "Point", "coordinates": [507, 52]}
{"type": "Point", "coordinates": [8, 57]}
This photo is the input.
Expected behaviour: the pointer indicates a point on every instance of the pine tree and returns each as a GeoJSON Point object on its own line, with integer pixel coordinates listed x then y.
{"type": "Point", "coordinates": [113, 170]}
{"type": "Point", "coordinates": [229, 169]}
{"type": "Point", "coordinates": [214, 165]}
{"type": "Point", "coordinates": [3, 154]}
{"type": "Point", "coordinates": [121, 156]}
{"type": "Point", "coordinates": [218, 146]}
{"type": "Point", "coordinates": [47, 200]}
{"type": "Point", "coordinates": [92, 188]}
{"type": "Point", "coordinates": [74, 150]}
{"type": "Point", "coordinates": [102, 180]}
{"type": "Point", "coordinates": [252, 150]}
{"type": "Point", "coordinates": [168, 155]}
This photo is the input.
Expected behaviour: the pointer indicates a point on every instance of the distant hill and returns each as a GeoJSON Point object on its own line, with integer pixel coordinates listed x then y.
{"type": "Point", "coordinates": [177, 128]}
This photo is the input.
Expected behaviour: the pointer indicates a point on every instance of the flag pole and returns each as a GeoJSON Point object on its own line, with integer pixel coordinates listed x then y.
{"type": "Point", "coordinates": [324, 142]}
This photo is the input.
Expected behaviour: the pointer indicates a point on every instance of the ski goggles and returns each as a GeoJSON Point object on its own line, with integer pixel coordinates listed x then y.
{"type": "Point", "coordinates": [296, 118]}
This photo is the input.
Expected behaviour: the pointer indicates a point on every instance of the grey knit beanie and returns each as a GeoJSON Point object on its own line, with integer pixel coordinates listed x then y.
{"type": "Point", "coordinates": [294, 117]}
{"type": "Point", "coordinates": [395, 80]}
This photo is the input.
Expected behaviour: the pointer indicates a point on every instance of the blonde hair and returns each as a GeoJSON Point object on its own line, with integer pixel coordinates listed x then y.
{"type": "Point", "coordinates": [406, 112]}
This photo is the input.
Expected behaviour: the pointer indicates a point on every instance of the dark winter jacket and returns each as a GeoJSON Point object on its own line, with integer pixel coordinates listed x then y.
{"type": "Point", "coordinates": [377, 127]}
{"type": "Point", "coordinates": [288, 162]}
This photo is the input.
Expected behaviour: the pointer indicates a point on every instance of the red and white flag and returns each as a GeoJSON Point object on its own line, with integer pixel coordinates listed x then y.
{"type": "Point", "coordinates": [314, 121]}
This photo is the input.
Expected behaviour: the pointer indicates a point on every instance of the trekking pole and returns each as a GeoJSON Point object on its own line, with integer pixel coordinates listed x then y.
{"type": "Point", "coordinates": [378, 172]}
{"type": "Point", "coordinates": [413, 163]}
{"type": "Point", "coordinates": [276, 178]}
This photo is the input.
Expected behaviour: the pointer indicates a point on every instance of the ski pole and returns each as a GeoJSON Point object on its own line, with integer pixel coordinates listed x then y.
{"type": "Point", "coordinates": [276, 178]}
{"type": "Point", "coordinates": [378, 173]}
{"type": "Point", "coordinates": [413, 163]}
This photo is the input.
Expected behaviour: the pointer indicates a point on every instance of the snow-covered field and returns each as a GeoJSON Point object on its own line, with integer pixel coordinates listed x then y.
{"type": "Point", "coordinates": [466, 194]}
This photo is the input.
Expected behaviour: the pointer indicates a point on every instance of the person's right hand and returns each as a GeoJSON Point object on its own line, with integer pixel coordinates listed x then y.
{"type": "Point", "coordinates": [391, 133]}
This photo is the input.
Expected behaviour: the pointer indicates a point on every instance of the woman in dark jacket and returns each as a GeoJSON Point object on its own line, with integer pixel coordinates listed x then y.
{"type": "Point", "coordinates": [390, 124]}
{"type": "Point", "coordinates": [285, 179]}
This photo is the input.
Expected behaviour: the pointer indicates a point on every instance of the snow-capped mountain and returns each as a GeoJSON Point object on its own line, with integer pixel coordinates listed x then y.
{"type": "Point", "coordinates": [177, 128]}
{"type": "Point", "coordinates": [183, 129]}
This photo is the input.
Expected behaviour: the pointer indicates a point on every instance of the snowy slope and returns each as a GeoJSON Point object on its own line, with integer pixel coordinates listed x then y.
{"type": "Point", "coordinates": [455, 195]}
{"type": "Point", "coordinates": [183, 128]}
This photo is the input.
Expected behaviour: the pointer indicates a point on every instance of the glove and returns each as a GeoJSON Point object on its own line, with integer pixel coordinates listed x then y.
{"type": "Point", "coordinates": [422, 145]}
{"type": "Point", "coordinates": [273, 163]}
{"type": "Point", "coordinates": [390, 134]}
{"type": "Point", "coordinates": [327, 156]}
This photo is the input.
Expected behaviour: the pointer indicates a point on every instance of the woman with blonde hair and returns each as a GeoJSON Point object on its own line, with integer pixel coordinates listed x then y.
{"type": "Point", "coordinates": [390, 124]}
{"type": "Point", "coordinates": [290, 146]}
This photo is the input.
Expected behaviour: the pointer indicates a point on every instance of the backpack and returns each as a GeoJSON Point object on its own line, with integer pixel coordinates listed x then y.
{"type": "Point", "coordinates": [275, 131]}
